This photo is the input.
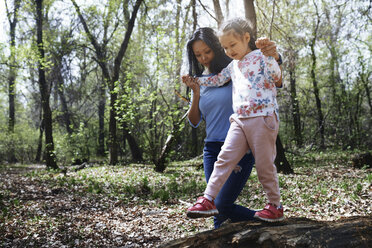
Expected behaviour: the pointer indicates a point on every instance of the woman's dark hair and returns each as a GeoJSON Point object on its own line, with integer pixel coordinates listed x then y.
{"type": "Point", "coordinates": [239, 26]}
{"type": "Point", "coordinates": [220, 60]}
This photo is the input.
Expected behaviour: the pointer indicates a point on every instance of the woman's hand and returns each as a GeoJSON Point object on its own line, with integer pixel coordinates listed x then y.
{"type": "Point", "coordinates": [191, 82]}
{"type": "Point", "coordinates": [267, 47]}
{"type": "Point", "coordinates": [194, 112]}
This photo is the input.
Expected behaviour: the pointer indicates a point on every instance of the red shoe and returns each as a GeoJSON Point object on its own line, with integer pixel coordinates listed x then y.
{"type": "Point", "coordinates": [270, 213]}
{"type": "Point", "coordinates": [202, 208]}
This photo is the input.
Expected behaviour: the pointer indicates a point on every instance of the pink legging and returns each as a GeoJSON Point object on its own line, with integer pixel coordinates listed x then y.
{"type": "Point", "coordinates": [255, 133]}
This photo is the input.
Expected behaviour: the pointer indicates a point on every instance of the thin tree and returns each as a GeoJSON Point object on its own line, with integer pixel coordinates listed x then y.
{"type": "Point", "coordinates": [194, 134]}
{"type": "Point", "coordinates": [13, 20]}
{"type": "Point", "coordinates": [111, 77]}
{"type": "Point", "coordinates": [174, 136]}
{"type": "Point", "coordinates": [294, 100]}
{"type": "Point", "coordinates": [250, 15]}
{"type": "Point", "coordinates": [314, 80]}
{"type": "Point", "coordinates": [281, 161]}
{"type": "Point", "coordinates": [101, 118]}
{"type": "Point", "coordinates": [50, 157]}
{"type": "Point", "coordinates": [62, 49]}
{"type": "Point", "coordinates": [218, 11]}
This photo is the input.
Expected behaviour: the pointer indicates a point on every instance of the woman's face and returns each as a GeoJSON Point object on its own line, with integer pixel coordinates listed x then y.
{"type": "Point", "coordinates": [203, 53]}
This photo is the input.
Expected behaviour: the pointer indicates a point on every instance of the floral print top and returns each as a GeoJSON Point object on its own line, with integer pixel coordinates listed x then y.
{"type": "Point", "coordinates": [253, 77]}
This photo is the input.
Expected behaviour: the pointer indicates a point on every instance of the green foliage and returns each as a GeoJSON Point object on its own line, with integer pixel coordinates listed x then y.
{"type": "Point", "coordinates": [22, 143]}
{"type": "Point", "coordinates": [78, 145]}
{"type": "Point", "coordinates": [152, 65]}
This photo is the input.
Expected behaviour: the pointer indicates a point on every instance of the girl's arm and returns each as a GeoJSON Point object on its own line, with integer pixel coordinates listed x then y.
{"type": "Point", "coordinates": [272, 69]}
{"type": "Point", "coordinates": [268, 48]}
{"type": "Point", "coordinates": [216, 80]}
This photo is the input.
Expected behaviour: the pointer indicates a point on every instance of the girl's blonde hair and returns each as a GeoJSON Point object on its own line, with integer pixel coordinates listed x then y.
{"type": "Point", "coordinates": [239, 26]}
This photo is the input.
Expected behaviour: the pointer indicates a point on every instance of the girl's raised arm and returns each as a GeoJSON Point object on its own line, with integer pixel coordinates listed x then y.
{"type": "Point", "coordinates": [216, 80]}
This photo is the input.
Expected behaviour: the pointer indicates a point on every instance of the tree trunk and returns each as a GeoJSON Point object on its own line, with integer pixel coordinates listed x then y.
{"type": "Point", "coordinates": [364, 80]}
{"type": "Point", "coordinates": [294, 232]}
{"type": "Point", "coordinates": [113, 144]}
{"type": "Point", "coordinates": [317, 97]}
{"type": "Point", "coordinates": [111, 80]}
{"type": "Point", "coordinates": [227, 7]}
{"type": "Point", "coordinates": [250, 15]}
{"type": "Point", "coordinates": [194, 131]}
{"type": "Point", "coordinates": [133, 145]}
{"type": "Point", "coordinates": [160, 163]}
{"type": "Point", "coordinates": [61, 94]}
{"type": "Point", "coordinates": [194, 140]}
{"type": "Point", "coordinates": [295, 107]}
{"type": "Point", "coordinates": [315, 82]}
{"type": "Point", "coordinates": [40, 142]}
{"type": "Point", "coordinates": [218, 11]}
{"type": "Point", "coordinates": [101, 119]}
{"type": "Point", "coordinates": [50, 158]}
{"type": "Point", "coordinates": [281, 162]}
{"type": "Point", "coordinates": [12, 71]}
{"type": "Point", "coordinates": [12, 66]}
{"type": "Point", "coordinates": [194, 15]}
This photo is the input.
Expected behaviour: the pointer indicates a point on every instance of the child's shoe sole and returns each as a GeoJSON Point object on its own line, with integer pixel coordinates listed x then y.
{"type": "Point", "coordinates": [269, 220]}
{"type": "Point", "coordinates": [201, 214]}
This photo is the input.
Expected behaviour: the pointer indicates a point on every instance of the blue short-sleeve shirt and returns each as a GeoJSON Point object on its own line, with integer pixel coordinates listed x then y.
{"type": "Point", "coordinates": [215, 105]}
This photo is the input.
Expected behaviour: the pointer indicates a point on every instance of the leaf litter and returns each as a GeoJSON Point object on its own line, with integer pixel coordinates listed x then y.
{"type": "Point", "coordinates": [49, 209]}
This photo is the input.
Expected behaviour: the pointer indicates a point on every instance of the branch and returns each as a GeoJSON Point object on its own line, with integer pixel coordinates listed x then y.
{"type": "Point", "coordinates": [207, 11]}
{"type": "Point", "coordinates": [7, 11]}
{"type": "Point", "coordinates": [272, 20]}
{"type": "Point", "coordinates": [90, 36]}
{"type": "Point", "coordinates": [124, 44]}
{"type": "Point", "coordinates": [97, 47]}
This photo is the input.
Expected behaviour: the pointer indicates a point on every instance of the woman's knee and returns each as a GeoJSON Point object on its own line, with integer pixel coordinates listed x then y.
{"type": "Point", "coordinates": [223, 207]}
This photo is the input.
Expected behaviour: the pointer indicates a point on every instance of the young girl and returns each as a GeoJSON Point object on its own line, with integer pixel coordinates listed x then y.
{"type": "Point", "coordinates": [254, 124]}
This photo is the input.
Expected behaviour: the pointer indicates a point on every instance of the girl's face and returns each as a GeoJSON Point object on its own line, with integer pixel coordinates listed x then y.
{"type": "Point", "coordinates": [203, 53]}
{"type": "Point", "coordinates": [235, 47]}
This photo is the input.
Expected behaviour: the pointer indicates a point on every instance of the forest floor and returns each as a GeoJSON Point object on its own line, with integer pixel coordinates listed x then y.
{"type": "Point", "coordinates": [134, 206]}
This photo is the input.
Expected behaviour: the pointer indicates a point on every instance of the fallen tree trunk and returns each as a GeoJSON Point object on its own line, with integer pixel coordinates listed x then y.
{"type": "Point", "coordinates": [293, 232]}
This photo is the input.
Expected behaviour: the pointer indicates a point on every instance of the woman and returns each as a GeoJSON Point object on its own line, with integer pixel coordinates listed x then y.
{"type": "Point", "coordinates": [214, 105]}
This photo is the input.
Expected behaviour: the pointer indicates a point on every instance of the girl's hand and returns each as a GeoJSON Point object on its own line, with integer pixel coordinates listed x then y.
{"type": "Point", "coordinates": [191, 82]}
{"type": "Point", "coordinates": [267, 47]}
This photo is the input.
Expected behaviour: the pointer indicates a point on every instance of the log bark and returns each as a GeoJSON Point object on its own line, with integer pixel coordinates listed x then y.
{"type": "Point", "coordinates": [362, 160]}
{"type": "Point", "coordinates": [292, 232]}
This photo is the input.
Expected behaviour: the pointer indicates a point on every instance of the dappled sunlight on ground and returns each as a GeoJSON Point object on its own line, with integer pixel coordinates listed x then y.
{"type": "Point", "coordinates": [134, 206]}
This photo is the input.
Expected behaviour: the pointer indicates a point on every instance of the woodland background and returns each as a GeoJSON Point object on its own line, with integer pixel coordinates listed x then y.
{"type": "Point", "coordinates": [97, 80]}
{"type": "Point", "coordinates": [92, 84]}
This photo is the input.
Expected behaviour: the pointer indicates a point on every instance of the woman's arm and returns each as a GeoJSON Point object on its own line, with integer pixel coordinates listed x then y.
{"type": "Point", "coordinates": [194, 112]}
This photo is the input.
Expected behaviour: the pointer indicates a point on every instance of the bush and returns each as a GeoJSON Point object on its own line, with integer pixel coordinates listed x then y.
{"type": "Point", "coordinates": [76, 147]}
{"type": "Point", "coordinates": [22, 144]}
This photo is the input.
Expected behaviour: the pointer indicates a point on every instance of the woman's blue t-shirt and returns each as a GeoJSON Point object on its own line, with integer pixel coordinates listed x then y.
{"type": "Point", "coordinates": [215, 105]}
